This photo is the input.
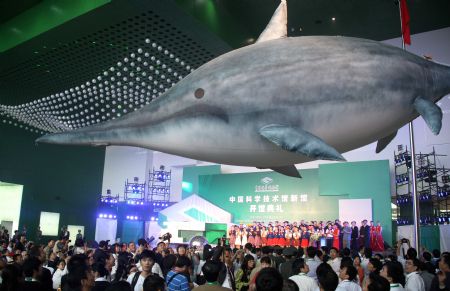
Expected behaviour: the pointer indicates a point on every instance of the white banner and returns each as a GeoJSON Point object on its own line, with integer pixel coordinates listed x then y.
{"type": "Point", "coordinates": [444, 234]}
{"type": "Point", "coordinates": [106, 229]}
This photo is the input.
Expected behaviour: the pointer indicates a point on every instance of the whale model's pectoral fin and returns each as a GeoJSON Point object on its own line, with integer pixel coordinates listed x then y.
{"type": "Point", "coordinates": [290, 171]}
{"type": "Point", "coordinates": [431, 113]}
{"type": "Point", "coordinates": [300, 141]}
{"type": "Point", "coordinates": [277, 27]}
{"type": "Point", "coordinates": [382, 143]}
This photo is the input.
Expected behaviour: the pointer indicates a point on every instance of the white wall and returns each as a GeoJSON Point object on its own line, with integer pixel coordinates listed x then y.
{"type": "Point", "coordinates": [122, 163]}
{"type": "Point", "coordinates": [11, 197]}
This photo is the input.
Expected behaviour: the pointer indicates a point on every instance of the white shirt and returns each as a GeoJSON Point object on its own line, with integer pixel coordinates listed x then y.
{"type": "Point", "coordinates": [139, 283]}
{"type": "Point", "coordinates": [414, 282]}
{"type": "Point", "coordinates": [304, 282]}
{"type": "Point", "coordinates": [347, 285]}
{"type": "Point", "coordinates": [397, 287]}
{"type": "Point", "coordinates": [364, 263]}
{"type": "Point", "coordinates": [312, 264]}
{"type": "Point", "coordinates": [335, 265]}
{"type": "Point", "coordinates": [57, 278]}
{"type": "Point", "coordinates": [156, 269]}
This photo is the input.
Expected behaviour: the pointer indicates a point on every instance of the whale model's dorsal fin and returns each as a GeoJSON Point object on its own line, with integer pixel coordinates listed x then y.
{"type": "Point", "coordinates": [277, 27]}
{"type": "Point", "coordinates": [300, 141]}
{"type": "Point", "coordinates": [431, 113]}
{"type": "Point", "coordinates": [382, 143]}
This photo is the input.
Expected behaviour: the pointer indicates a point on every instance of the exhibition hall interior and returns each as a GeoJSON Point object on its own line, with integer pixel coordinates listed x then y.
{"type": "Point", "coordinates": [225, 131]}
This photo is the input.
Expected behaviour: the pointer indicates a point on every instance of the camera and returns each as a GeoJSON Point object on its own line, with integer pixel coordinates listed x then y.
{"type": "Point", "coordinates": [166, 237]}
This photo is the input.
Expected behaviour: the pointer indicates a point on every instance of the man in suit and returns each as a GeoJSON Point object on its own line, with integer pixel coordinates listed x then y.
{"type": "Point", "coordinates": [354, 237]}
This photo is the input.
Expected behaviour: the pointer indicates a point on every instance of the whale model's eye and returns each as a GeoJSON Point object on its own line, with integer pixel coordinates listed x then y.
{"type": "Point", "coordinates": [199, 93]}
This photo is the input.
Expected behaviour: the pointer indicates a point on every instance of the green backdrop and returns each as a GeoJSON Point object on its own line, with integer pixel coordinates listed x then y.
{"type": "Point", "coordinates": [269, 196]}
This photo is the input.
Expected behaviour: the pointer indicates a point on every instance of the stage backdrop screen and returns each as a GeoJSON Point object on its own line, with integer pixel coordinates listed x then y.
{"type": "Point", "coordinates": [49, 223]}
{"type": "Point", "coordinates": [355, 209]}
{"type": "Point", "coordinates": [269, 196]}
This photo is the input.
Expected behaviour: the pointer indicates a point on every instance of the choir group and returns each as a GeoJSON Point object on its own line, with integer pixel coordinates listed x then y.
{"type": "Point", "coordinates": [304, 234]}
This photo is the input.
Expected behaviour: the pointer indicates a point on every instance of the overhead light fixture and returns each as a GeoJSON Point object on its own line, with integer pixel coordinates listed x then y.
{"type": "Point", "coordinates": [333, 18]}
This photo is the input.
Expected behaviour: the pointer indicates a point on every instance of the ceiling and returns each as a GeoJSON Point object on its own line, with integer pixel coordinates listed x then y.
{"type": "Point", "coordinates": [120, 55]}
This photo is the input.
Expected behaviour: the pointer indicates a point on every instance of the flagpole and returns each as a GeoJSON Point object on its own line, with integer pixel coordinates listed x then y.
{"type": "Point", "coordinates": [416, 209]}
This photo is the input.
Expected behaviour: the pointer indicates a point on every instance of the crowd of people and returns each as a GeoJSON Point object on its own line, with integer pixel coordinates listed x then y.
{"type": "Point", "coordinates": [139, 267]}
{"type": "Point", "coordinates": [304, 234]}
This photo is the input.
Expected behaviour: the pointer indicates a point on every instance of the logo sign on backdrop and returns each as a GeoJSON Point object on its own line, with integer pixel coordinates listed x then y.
{"type": "Point", "coordinates": [267, 198]}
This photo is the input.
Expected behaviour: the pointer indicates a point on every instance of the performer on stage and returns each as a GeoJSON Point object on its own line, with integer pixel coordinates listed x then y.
{"type": "Point", "coordinates": [379, 241]}
{"type": "Point", "coordinates": [244, 236]}
{"type": "Point", "coordinates": [323, 239]}
{"type": "Point", "coordinates": [232, 236]}
{"type": "Point", "coordinates": [305, 238]}
{"type": "Point", "coordinates": [281, 236]}
{"type": "Point", "coordinates": [296, 235]}
{"type": "Point", "coordinates": [372, 235]}
{"type": "Point", "coordinates": [329, 235]}
{"type": "Point", "coordinates": [270, 236]}
{"type": "Point", "coordinates": [314, 237]}
{"type": "Point", "coordinates": [264, 236]}
{"type": "Point", "coordinates": [257, 234]}
{"type": "Point", "coordinates": [288, 236]}
{"type": "Point", "coordinates": [346, 237]}
{"type": "Point", "coordinates": [336, 233]}
{"type": "Point", "coordinates": [251, 235]}
{"type": "Point", "coordinates": [238, 241]}
{"type": "Point", "coordinates": [354, 243]}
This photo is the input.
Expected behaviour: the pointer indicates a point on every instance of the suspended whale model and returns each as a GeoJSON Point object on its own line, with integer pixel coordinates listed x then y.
{"type": "Point", "coordinates": [282, 101]}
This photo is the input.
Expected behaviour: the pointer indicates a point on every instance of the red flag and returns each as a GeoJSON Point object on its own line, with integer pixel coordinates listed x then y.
{"type": "Point", "coordinates": [405, 22]}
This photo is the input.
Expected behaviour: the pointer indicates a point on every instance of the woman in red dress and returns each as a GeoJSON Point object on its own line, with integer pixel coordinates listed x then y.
{"type": "Point", "coordinates": [372, 236]}
{"type": "Point", "coordinates": [336, 236]}
{"type": "Point", "coordinates": [379, 241]}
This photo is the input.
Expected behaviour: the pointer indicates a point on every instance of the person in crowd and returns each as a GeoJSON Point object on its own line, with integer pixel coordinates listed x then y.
{"type": "Point", "coordinates": [178, 278]}
{"type": "Point", "coordinates": [354, 237]}
{"type": "Point", "coordinates": [335, 261]}
{"type": "Point", "coordinates": [57, 275]}
{"type": "Point", "coordinates": [100, 273]}
{"type": "Point", "coordinates": [359, 269]}
{"type": "Point", "coordinates": [393, 272]}
{"type": "Point", "coordinates": [243, 274]}
{"type": "Point", "coordinates": [269, 279]}
{"type": "Point", "coordinates": [348, 276]}
{"type": "Point", "coordinates": [154, 283]}
{"type": "Point", "coordinates": [211, 270]}
{"type": "Point", "coordinates": [248, 250]}
{"type": "Point", "coordinates": [312, 262]}
{"type": "Point", "coordinates": [147, 260]}
{"type": "Point", "coordinates": [442, 279]}
{"type": "Point", "coordinates": [376, 283]}
{"type": "Point", "coordinates": [413, 280]}
{"type": "Point", "coordinates": [300, 269]}
{"type": "Point", "coordinates": [374, 266]}
{"type": "Point", "coordinates": [119, 286]}
{"type": "Point", "coordinates": [426, 276]}
{"type": "Point", "coordinates": [327, 278]}
{"type": "Point", "coordinates": [286, 267]}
